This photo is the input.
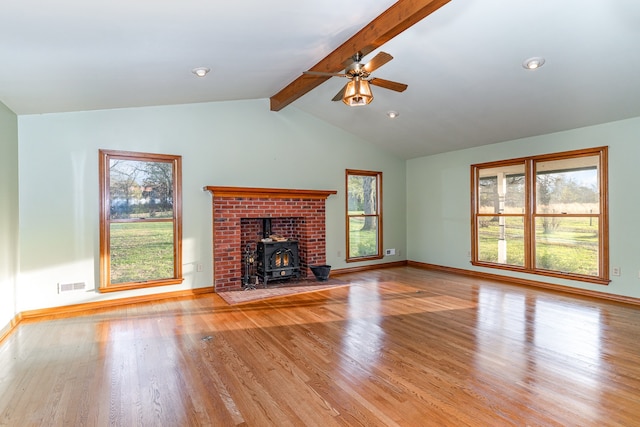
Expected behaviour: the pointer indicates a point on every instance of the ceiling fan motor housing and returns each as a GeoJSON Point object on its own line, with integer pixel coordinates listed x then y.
{"type": "Point", "coordinates": [356, 70]}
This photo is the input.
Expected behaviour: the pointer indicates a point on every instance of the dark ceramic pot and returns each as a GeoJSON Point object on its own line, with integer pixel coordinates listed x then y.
{"type": "Point", "coordinates": [321, 272]}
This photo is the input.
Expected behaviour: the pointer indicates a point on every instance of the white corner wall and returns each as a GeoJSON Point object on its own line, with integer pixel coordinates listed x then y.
{"type": "Point", "coordinates": [8, 214]}
{"type": "Point", "coordinates": [439, 211]}
{"type": "Point", "coordinates": [239, 143]}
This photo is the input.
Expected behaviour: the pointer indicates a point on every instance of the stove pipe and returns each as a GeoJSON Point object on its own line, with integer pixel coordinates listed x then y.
{"type": "Point", "coordinates": [266, 227]}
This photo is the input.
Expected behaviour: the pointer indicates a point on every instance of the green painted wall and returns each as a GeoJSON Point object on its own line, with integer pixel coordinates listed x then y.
{"type": "Point", "coordinates": [439, 212]}
{"type": "Point", "coordinates": [242, 143]}
{"type": "Point", "coordinates": [239, 143]}
{"type": "Point", "coordinates": [8, 214]}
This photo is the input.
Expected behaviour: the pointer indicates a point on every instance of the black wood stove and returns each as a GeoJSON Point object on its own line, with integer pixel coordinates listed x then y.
{"type": "Point", "coordinates": [277, 260]}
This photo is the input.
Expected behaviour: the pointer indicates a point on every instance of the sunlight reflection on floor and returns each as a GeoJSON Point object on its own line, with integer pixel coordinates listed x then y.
{"type": "Point", "coordinates": [531, 337]}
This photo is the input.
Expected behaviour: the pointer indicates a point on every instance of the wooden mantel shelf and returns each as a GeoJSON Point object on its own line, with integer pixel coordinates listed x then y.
{"type": "Point", "coordinates": [274, 193]}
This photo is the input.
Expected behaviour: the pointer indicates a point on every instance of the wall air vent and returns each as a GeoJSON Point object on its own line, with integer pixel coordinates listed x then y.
{"type": "Point", "coordinates": [66, 287]}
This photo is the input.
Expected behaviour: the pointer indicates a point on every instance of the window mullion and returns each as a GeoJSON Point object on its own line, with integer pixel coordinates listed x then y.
{"type": "Point", "coordinates": [530, 209]}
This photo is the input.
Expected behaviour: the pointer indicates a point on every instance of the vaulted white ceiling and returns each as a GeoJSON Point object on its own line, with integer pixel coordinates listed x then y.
{"type": "Point", "coordinates": [463, 63]}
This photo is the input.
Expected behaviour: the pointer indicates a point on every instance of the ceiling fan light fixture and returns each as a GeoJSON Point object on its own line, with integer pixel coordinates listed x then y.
{"type": "Point", "coordinates": [357, 93]}
{"type": "Point", "coordinates": [200, 71]}
{"type": "Point", "coordinates": [533, 63]}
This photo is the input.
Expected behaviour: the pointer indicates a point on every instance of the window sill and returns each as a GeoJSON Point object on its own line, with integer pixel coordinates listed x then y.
{"type": "Point", "coordinates": [367, 258]}
{"type": "Point", "coordinates": [590, 279]}
{"type": "Point", "coordinates": [139, 285]}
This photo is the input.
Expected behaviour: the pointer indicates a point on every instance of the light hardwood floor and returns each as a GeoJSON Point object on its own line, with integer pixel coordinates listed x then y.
{"type": "Point", "coordinates": [398, 347]}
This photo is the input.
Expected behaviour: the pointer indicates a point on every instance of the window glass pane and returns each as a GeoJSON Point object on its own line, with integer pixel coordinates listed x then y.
{"type": "Point", "coordinates": [363, 198]}
{"type": "Point", "coordinates": [568, 186]}
{"type": "Point", "coordinates": [567, 244]}
{"type": "Point", "coordinates": [502, 190]}
{"type": "Point", "coordinates": [141, 251]}
{"type": "Point", "coordinates": [139, 189]}
{"type": "Point", "coordinates": [501, 240]}
{"type": "Point", "coordinates": [363, 236]}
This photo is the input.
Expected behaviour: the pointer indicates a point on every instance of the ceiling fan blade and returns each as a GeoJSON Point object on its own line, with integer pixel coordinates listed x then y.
{"type": "Point", "coordinates": [340, 94]}
{"type": "Point", "coordinates": [388, 84]}
{"type": "Point", "coordinates": [321, 73]}
{"type": "Point", "coordinates": [377, 61]}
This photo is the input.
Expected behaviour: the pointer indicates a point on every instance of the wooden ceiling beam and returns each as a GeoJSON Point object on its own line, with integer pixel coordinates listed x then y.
{"type": "Point", "coordinates": [400, 16]}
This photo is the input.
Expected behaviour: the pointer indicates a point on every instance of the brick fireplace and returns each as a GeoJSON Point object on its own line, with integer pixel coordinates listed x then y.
{"type": "Point", "coordinates": [238, 214]}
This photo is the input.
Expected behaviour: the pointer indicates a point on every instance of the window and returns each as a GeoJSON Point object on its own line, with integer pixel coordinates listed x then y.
{"type": "Point", "coordinates": [140, 220]}
{"type": "Point", "coordinates": [364, 215]}
{"type": "Point", "coordinates": [544, 215]}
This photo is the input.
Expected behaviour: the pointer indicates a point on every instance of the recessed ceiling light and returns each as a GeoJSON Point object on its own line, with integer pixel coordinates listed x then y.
{"type": "Point", "coordinates": [533, 63]}
{"type": "Point", "coordinates": [200, 71]}
{"type": "Point", "coordinates": [392, 114]}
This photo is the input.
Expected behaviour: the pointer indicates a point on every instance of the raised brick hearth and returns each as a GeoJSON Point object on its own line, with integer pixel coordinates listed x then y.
{"type": "Point", "coordinates": [237, 221]}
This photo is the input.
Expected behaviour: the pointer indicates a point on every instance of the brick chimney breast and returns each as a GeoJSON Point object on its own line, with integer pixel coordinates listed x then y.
{"type": "Point", "coordinates": [238, 214]}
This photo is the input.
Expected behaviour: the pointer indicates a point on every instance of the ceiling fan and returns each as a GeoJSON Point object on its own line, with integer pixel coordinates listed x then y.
{"type": "Point", "coordinates": [357, 91]}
